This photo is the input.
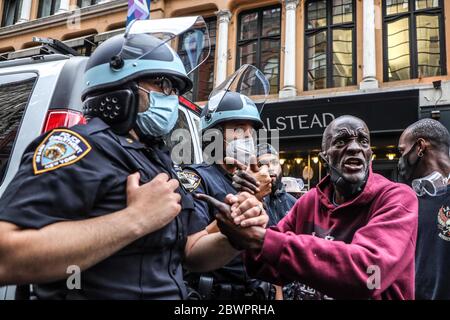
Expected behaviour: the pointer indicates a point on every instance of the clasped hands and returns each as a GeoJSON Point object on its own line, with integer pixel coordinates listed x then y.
{"type": "Point", "coordinates": [241, 218]}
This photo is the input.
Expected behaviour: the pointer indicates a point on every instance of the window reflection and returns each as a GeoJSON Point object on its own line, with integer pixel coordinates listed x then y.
{"type": "Point", "coordinates": [342, 11]}
{"type": "Point", "coordinates": [396, 6]}
{"type": "Point", "coordinates": [249, 26]}
{"type": "Point", "coordinates": [342, 57]}
{"type": "Point", "coordinates": [317, 61]}
{"type": "Point", "coordinates": [428, 45]}
{"type": "Point", "coordinates": [330, 65]}
{"type": "Point", "coordinates": [426, 4]}
{"type": "Point", "coordinates": [317, 14]}
{"type": "Point", "coordinates": [398, 50]}
{"type": "Point", "coordinates": [413, 39]}
{"type": "Point", "coordinates": [259, 42]}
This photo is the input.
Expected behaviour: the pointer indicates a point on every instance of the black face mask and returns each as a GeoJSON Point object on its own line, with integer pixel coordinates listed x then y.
{"type": "Point", "coordinates": [277, 185]}
{"type": "Point", "coordinates": [347, 188]}
{"type": "Point", "coordinates": [405, 167]}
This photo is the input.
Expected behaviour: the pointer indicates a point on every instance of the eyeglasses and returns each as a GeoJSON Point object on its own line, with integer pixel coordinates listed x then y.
{"type": "Point", "coordinates": [165, 84]}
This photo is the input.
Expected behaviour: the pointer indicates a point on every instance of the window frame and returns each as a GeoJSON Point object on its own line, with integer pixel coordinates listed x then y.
{"type": "Point", "coordinates": [21, 77]}
{"type": "Point", "coordinates": [329, 29]}
{"type": "Point", "coordinates": [259, 39]}
{"type": "Point", "coordinates": [93, 2]}
{"type": "Point", "coordinates": [411, 14]}
{"type": "Point", "coordinates": [53, 8]}
{"type": "Point", "coordinates": [16, 13]}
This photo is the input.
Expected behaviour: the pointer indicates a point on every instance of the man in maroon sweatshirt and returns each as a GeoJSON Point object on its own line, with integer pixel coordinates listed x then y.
{"type": "Point", "coordinates": [351, 237]}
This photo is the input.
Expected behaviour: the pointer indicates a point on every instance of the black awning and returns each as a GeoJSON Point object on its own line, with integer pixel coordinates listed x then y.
{"type": "Point", "coordinates": [386, 112]}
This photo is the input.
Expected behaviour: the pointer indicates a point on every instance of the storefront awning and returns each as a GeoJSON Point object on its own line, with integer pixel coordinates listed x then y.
{"type": "Point", "coordinates": [384, 113]}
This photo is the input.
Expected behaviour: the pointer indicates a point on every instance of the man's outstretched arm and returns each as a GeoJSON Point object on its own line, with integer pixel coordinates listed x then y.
{"type": "Point", "coordinates": [209, 251]}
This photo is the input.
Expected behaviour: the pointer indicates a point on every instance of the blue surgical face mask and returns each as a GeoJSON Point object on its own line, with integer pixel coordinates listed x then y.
{"type": "Point", "coordinates": [160, 117]}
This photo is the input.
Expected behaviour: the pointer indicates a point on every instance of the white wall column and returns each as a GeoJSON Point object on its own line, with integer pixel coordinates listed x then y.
{"type": "Point", "coordinates": [290, 89]}
{"type": "Point", "coordinates": [369, 80]}
{"type": "Point", "coordinates": [25, 11]}
{"type": "Point", "coordinates": [223, 16]}
{"type": "Point", "coordinates": [63, 6]}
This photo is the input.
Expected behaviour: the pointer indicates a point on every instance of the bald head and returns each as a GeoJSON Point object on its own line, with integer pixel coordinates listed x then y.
{"type": "Point", "coordinates": [346, 119]}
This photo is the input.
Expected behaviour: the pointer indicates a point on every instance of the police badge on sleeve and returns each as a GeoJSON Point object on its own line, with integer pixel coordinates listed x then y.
{"type": "Point", "coordinates": [62, 147]}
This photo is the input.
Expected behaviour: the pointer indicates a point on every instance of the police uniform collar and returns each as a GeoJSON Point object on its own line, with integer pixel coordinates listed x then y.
{"type": "Point", "coordinates": [96, 125]}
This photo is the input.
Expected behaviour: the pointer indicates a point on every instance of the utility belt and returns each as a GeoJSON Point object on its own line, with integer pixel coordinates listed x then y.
{"type": "Point", "coordinates": [208, 289]}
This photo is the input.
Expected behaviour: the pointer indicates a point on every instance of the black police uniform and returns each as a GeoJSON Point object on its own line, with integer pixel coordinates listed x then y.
{"type": "Point", "coordinates": [230, 281]}
{"type": "Point", "coordinates": [80, 173]}
{"type": "Point", "coordinates": [278, 204]}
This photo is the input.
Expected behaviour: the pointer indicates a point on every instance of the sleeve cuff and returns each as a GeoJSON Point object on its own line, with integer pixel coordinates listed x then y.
{"type": "Point", "coordinates": [272, 246]}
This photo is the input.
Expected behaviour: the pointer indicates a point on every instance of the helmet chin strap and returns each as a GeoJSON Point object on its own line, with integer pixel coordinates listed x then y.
{"type": "Point", "coordinates": [347, 188]}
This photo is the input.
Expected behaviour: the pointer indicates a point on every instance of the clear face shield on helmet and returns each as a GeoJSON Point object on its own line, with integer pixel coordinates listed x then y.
{"type": "Point", "coordinates": [156, 51]}
{"type": "Point", "coordinates": [434, 185]}
{"type": "Point", "coordinates": [250, 82]}
{"type": "Point", "coordinates": [188, 36]}
{"type": "Point", "coordinates": [247, 80]}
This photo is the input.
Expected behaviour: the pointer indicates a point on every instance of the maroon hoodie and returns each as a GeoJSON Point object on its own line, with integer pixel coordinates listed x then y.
{"type": "Point", "coordinates": [375, 231]}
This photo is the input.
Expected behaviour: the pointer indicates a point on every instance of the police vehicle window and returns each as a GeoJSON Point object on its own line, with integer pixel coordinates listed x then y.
{"type": "Point", "coordinates": [15, 91]}
{"type": "Point", "coordinates": [182, 123]}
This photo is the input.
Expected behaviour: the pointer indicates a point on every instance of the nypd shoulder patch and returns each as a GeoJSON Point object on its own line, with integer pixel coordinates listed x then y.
{"type": "Point", "coordinates": [62, 147]}
{"type": "Point", "coordinates": [189, 180]}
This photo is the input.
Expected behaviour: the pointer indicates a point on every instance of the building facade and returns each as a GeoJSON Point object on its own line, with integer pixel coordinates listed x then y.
{"type": "Point", "coordinates": [385, 61]}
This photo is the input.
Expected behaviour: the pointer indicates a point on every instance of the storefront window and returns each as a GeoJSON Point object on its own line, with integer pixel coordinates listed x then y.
{"type": "Point", "coordinates": [203, 77]}
{"type": "Point", "coordinates": [11, 12]}
{"type": "Point", "coordinates": [413, 39]}
{"type": "Point", "coordinates": [330, 45]}
{"type": "Point", "coordinates": [48, 7]}
{"type": "Point", "coordinates": [259, 42]}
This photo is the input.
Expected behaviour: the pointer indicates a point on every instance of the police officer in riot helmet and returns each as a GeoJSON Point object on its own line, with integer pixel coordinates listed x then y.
{"type": "Point", "coordinates": [104, 198]}
{"type": "Point", "coordinates": [234, 121]}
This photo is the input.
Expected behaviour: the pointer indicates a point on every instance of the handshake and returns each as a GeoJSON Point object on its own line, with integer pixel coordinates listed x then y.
{"type": "Point", "coordinates": [241, 218]}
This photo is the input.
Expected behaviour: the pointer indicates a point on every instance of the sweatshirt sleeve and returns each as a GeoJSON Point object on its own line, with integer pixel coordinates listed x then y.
{"type": "Point", "coordinates": [342, 270]}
